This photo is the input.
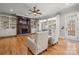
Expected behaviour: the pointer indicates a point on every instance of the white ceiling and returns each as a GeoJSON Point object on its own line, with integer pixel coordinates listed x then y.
{"type": "Point", "coordinates": [47, 9]}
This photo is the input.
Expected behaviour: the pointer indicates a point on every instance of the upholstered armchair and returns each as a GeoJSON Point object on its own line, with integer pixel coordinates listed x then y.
{"type": "Point", "coordinates": [38, 42]}
{"type": "Point", "coordinates": [53, 39]}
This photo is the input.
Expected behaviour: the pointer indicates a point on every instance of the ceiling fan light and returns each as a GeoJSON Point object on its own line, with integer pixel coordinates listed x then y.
{"type": "Point", "coordinates": [34, 13]}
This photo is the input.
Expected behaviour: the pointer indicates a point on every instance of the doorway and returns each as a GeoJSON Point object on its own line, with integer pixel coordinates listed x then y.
{"type": "Point", "coordinates": [72, 27]}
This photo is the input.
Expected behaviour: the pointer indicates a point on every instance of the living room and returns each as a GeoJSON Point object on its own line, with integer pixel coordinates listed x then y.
{"type": "Point", "coordinates": [39, 28]}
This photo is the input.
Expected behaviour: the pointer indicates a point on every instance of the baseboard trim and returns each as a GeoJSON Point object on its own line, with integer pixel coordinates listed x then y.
{"type": "Point", "coordinates": [8, 36]}
{"type": "Point", "coordinates": [61, 37]}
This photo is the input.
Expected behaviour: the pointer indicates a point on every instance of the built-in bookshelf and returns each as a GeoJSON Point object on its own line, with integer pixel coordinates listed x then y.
{"type": "Point", "coordinates": [52, 24]}
{"type": "Point", "coordinates": [34, 25]}
{"type": "Point", "coordinates": [7, 26]}
{"type": "Point", "coordinates": [23, 26]}
{"type": "Point", "coordinates": [13, 22]}
{"type": "Point", "coordinates": [14, 25]}
{"type": "Point", "coordinates": [4, 22]}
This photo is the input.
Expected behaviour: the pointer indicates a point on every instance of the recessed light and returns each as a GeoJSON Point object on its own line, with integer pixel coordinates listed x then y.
{"type": "Point", "coordinates": [11, 10]}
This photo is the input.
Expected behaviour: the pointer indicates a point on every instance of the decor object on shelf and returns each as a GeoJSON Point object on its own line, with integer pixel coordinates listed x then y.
{"type": "Point", "coordinates": [62, 27]}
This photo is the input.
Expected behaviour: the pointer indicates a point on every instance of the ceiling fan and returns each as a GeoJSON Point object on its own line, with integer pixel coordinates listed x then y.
{"type": "Point", "coordinates": [35, 11]}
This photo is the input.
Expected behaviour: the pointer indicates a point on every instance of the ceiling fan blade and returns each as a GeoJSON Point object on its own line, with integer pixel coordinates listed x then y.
{"type": "Point", "coordinates": [30, 10]}
{"type": "Point", "coordinates": [38, 10]}
{"type": "Point", "coordinates": [34, 7]}
{"type": "Point", "coordinates": [29, 13]}
{"type": "Point", "coordinates": [39, 13]}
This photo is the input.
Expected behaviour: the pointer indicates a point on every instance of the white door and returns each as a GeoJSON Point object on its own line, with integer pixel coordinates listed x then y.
{"type": "Point", "coordinates": [71, 27]}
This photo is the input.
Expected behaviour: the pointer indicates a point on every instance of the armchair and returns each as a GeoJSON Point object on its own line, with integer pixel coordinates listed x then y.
{"type": "Point", "coordinates": [53, 39]}
{"type": "Point", "coordinates": [39, 43]}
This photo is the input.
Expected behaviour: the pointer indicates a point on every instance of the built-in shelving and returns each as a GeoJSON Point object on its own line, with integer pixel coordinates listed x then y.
{"type": "Point", "coordinates": [23, 25]}
{"type": "Point", "coordinates": [34, 25]}
{"type": "Point", "coordinates": [14, 25]}
{"type": "Point", "coordinates": [7, 26]}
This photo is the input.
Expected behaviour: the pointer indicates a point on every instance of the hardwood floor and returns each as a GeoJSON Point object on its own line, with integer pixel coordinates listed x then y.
{"type": "Point", "coordinates": [13, 45]}
{"type": "Point", "coordinates": [64, 47]}
{"type": "Point", "coordinates": [18, 46]}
